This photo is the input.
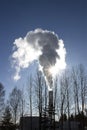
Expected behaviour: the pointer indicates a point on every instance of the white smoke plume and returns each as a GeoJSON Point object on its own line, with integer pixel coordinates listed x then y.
{"type": "Point", "coordinates": [41, 45]}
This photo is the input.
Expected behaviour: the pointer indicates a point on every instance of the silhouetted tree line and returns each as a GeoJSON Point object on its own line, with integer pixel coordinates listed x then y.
{"type": "Point", "coordinates": [81, 118]}
{"type": "Point", "coordinates": [9, 114]}
{"type": "Point", "coordinates": [70, 100]}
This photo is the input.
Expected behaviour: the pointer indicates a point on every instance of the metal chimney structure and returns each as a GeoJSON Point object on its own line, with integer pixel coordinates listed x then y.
{"type": "Point", "coordinates": [51, 111]}
{"type": "Point", "coordinates": [50, 102]}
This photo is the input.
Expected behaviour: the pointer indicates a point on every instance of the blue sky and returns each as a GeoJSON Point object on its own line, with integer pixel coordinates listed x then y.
{"type": "Point", "coordinates": [67, 18]}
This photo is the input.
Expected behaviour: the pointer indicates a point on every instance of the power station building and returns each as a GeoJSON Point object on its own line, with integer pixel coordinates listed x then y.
{"type": "Point", "coordinates": [32, 123]}
{"type": "Point", "coordinates": [48, 122]}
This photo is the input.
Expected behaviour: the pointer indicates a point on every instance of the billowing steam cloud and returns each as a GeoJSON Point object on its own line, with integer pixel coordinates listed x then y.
{"type": "Point", "coordinates": [41, 45]}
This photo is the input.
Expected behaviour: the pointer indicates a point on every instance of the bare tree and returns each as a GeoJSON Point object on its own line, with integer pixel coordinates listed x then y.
{"type": "Point", "coordinates": [14, 100]}
{"type": "Point", "coordinates": [79, 82]}
{"type": "Point", "coordinates": [57, 97]}
{"type": "Point", "coordinates": [82, 85]}
{"type": "Point", "coordinates": [68, 95]}
{"type": "Point", "coordinates": [45, 106]}
{"type": "Point", "coordinates": [7, 117]}
{"type": "Point", "coordinates": [62, 99]}
{"type": "Point", "coordinates": [41, 95]}
{"type": "Point", "coordinates": [22, 103]}
{"type": "Point", "coordinates": [30, 95]}
{"type": "Point", "coordinates": [75, 89]}
{"type": "Point", "coordinates": [2, 95]}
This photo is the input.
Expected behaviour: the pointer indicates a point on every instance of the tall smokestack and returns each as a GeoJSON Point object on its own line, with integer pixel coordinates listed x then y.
{"type": "Point", "coordinates": [50, 104]}
{"type": "Point", "coordinates": [50, 99]}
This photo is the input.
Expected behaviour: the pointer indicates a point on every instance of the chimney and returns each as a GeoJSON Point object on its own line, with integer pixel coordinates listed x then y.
{"type": "Point", "coordinates": [50, 104]}
{"type": "Point", "coordinates": [51, 99]}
